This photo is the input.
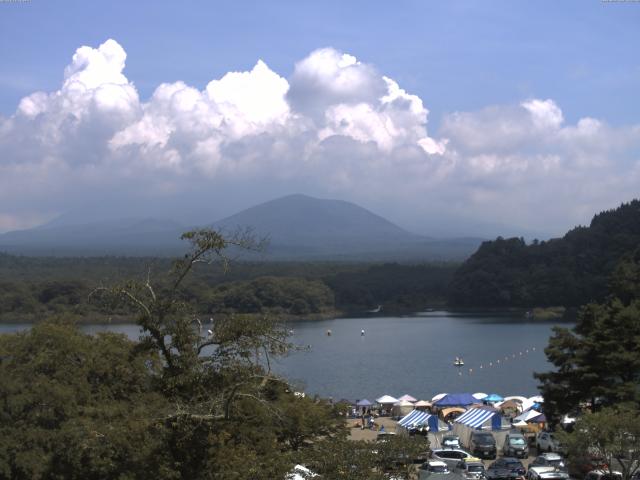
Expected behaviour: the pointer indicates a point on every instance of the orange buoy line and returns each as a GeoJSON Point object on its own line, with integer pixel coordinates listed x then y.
{"type": "Point", "coordinates": [499, 361]}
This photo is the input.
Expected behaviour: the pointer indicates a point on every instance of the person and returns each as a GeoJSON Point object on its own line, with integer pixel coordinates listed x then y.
{"type": "Point", "coordinates": [372, 422]}
{"type": "Point", "coordinates": [363, 420]}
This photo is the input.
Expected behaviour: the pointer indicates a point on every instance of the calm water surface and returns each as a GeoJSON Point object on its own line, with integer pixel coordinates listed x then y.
{"type": "Point", "coordinates": [412, 354]}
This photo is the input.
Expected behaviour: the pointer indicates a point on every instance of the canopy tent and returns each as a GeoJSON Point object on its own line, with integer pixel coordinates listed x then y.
{"type": "Point", "coordinates": [526, 416]}
{"type": "Point", "coordinates": [536, 399]}
{"type": "Point", "coordinates": [423, 404]}
{"type": "Point", "coordinates": [418, 418]}
{"type": "Point", "coordinates": [539, 419]}
{"type": "Point", "coordinates": [364, 403]}
{"type": "Point", "coordinates": [456, 400]}
{"type": "Point", "coordinates": [438, 397]}
{"type": "Point", "coordinates": [386, 400]}
{"type": "Point", "coordinates": [446, 412]}
{"type": "Point", "coordinates": [494, 397]}
{"type": "Point", "coordinates": [480, 396]}
{"type": "Point", "coordinates": [518, 398]}
{"type": "Point", "coordinates": [408, 398]}
{"type": "Point", "coordinates": [401, 408]}
{"type": "Point", "coordinates": [508, 405]}
{"type": "Point", "coordinates": [484, 418]}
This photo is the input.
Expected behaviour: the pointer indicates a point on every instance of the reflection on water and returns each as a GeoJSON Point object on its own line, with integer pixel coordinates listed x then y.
{"type": "Point", "coordinates": [408, 354]}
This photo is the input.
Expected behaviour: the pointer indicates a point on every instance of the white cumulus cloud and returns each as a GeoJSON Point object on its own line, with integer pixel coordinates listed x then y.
{"type": "Point", "coordinates": [335, 127]}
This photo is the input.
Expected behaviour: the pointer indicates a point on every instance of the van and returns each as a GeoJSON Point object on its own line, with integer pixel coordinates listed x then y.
{"type": "Point", "coordinates": [515, 445]}
{"type": "Point", "coordinates": [483, 445]}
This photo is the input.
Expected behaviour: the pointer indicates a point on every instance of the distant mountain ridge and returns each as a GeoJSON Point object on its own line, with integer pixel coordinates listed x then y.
{"type": "Point", "coordinates": [299, 227]}
{"type": "Point", "coordinates": [568, 271]}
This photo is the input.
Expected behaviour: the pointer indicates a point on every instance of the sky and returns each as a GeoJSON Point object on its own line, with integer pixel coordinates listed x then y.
{"type": "Point", "coordinates": [447, 117]}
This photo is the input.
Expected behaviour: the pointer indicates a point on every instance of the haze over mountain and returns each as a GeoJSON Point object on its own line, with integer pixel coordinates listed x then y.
{"type": "Point", "coordinates": [297, 226]}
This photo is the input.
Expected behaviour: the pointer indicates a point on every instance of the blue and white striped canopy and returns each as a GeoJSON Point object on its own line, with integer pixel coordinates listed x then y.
{"type": "Point", "coordinates": [416, 417]}
{"type": "Point", "coordinates": [475, 417]}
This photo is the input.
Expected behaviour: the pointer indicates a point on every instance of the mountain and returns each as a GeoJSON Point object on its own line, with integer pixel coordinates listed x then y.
{"type": "Point", "coordinates": [132, 236]}
{"type": "Point", "coordinates": [568, 271]}
{"type": "Point", "coordinates": [298, 227]}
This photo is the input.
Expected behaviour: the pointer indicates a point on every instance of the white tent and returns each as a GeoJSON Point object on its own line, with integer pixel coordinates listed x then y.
{"type": "Point", "coordinates": [387, 400]}
{"type": "Point", "coordinates": [423, 403]}
{"type": "Point", "coordinates": [480, 395]}
{"type": "Point", "coordinates": [408, 398]}
{"type": "Point", "coordinates": [524, 416]}
{"type": "Point", "coordinates": [438, 397]}
{"type": "Point", "coordinates": [401, 408]}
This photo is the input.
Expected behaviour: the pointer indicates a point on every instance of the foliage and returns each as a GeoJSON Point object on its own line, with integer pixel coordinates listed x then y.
{"type": "Point", "coordinates": [186, 401]}
{"type": "Point", "coordinates": [33, 288]}
{"type": "Point", "coordinates": [612, 434]}
{"type": "Point", "coordinates": [295, 296]}
{"type": "Point", "coordinates": [75, 406]}
{"type": "Point", "coordinates": [598, 361]}
{"type": "Point", "coordinates": [337, 459]}
{"type": "Point", "coordinates": [568, 271]}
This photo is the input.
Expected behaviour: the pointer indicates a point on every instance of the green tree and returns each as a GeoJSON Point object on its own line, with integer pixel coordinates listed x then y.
{"type": "Point", "coordinates": [598, 361]}
{"type": "Point", "coordinates": [76, 406]}
{"type": "Point", "coordinates": [612, 434]}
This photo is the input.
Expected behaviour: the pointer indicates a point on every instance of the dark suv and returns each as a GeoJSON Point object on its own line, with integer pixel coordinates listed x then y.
{"type": "Point", "coordinates": [515, 445]}
{"type": "Point", "coordinates": [483, 445]}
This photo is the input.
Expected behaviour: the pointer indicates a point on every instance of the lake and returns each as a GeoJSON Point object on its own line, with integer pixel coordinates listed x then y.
{"type": "Point", "coordinates": [407, 354]}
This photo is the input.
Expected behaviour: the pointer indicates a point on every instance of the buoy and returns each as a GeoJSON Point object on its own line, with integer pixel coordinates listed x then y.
{"type": "Point", "coordinates": [328, 333]}
{"type": "Point", "coordinates": [480, 366]}
{"type": "Point", "coordinates": [362, 332]}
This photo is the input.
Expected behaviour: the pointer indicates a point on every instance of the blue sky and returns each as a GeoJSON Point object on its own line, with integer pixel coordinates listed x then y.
{"type": "Point", "coordinates": [458, 57]}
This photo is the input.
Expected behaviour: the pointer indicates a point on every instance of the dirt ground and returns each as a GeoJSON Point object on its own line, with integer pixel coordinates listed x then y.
{"type": "Point", "coordinates": [356, 432]}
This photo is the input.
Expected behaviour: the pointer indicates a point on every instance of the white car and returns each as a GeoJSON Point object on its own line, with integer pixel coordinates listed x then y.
{"type": "Point", "coordinates": [546, 442]}
{"type": "Point", "coordinates": [450, 456]}
{"type": "Point", "coordinates": [603, 475]}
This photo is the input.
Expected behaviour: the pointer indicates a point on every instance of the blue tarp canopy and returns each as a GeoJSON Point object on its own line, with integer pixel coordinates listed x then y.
{"type": "Point", "coordinates": [364, 403]}
{"type": "Point", "coordinates": [417, 418]}
{"type": "Point", "coordinates": [494, 397]}
{"type": "Point", "coordinates": [476, 417]}
{"type": "Point", "coordinates": [456, 400]}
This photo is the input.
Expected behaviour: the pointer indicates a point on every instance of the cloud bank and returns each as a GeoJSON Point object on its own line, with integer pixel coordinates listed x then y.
{"type": "Point", "coordinates": [336, 127]}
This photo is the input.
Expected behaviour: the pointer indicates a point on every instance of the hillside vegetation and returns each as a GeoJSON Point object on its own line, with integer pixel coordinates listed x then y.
{"type": "Point", "coordinates": [569, 271]}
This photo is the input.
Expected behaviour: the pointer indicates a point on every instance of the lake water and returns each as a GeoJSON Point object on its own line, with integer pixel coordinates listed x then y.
{"type": "Point", "coordinates": [410, 354]}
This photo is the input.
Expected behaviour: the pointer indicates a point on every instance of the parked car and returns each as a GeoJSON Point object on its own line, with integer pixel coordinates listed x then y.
{"type": "Point", "coordinates": [450, 456]}
{"type": "Point", "coordinates": [603, 475]}
{"type": "Point", "coordinates": [451, 441]}
{"type": "Point", "coordinates": [547, 442]}
{"type": "Point", "coordinates": [547, 473]}
{"type": "Point", "coordinates": [435, 467]}
{"type": "Point", "coordinates": [483, 445]}
{"type": "Point", "coordinates": [515, 445]}
{"type": "Point", "coordinates": [471, 468]}
{"type": "Point", "coordinates": [549, 459]}
{"type": "Point", "coordinates": [506, 468]}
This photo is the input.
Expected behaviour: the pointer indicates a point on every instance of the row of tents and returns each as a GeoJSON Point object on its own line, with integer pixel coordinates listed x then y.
{"type": "Point", "coordinates": [486, 413]}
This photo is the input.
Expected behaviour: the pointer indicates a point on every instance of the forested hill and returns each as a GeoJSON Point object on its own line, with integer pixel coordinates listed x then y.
{"type": "Point", "coordinates": [568, 271]}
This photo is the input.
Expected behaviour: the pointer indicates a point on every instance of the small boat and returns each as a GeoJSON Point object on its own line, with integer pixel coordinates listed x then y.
{"type": "Point", "coordinates": [375, 310]}
{"type": "Point", "coordinates": [458, 362]}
